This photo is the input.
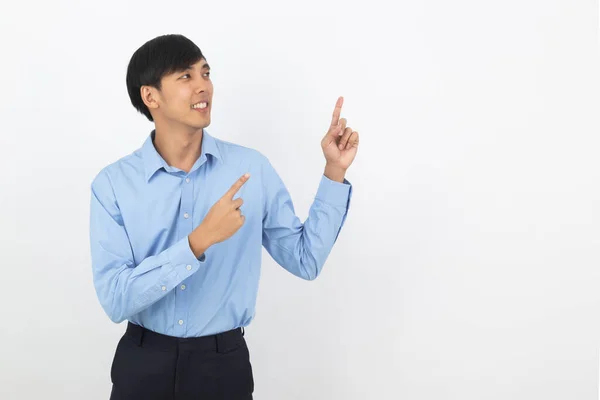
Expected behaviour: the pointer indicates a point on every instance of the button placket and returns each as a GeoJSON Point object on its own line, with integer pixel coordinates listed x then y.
{"type": "Point", "coordinates": [185, 228]}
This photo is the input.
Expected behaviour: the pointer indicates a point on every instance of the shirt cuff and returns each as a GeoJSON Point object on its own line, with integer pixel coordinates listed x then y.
{"type": "Point", "coordinates": [333, 192]}
{"type": "Point", "coordinates": [181, 256]}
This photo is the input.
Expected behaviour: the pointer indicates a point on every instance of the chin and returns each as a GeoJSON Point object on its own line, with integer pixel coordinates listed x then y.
{"type": "Point", "coordinates": [199, 125]}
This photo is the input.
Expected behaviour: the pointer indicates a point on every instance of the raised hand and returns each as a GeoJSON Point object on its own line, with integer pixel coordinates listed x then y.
{"type": "Point", "coordinates": [340, 144]}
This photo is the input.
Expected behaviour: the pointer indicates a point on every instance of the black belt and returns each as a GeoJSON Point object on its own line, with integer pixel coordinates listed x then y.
{"type": "Point", "coordinates": [220, 342]}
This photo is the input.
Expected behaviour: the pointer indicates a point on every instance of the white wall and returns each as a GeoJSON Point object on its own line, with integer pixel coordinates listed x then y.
{"type": "Point", "coordinates": [468, 268]}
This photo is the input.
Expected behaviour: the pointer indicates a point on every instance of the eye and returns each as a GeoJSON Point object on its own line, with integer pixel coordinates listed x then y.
{"type": "Point", "coordinates": [207, 73]}
{"type": "Point", "coordinates": [185, 75]}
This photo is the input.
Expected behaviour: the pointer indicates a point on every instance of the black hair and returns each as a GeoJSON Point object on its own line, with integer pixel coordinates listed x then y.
{"type": "Point", "coordinates": [158, 57]}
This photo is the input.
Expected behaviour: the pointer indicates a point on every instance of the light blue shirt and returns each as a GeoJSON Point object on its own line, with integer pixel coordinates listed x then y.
{"type": "Point", "coordinates": [142, 211]}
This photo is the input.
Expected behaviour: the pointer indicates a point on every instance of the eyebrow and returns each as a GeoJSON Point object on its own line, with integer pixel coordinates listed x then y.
{"type": "Point", "coordinates": [205, 66]}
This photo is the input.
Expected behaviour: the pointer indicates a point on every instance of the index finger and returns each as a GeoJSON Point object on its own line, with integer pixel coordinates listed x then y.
{"type": "Point", "coordinates": [337, 111]}
{"type": "Point", "coordinates": [237, 185]}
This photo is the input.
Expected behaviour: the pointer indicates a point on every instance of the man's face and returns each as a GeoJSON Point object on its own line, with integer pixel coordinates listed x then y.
{"type": "Point", "coordinates": [186, 97]}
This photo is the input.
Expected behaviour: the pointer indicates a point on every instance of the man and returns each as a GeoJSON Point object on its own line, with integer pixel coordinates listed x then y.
{"type": "Point", "coordinates": [177, 254]}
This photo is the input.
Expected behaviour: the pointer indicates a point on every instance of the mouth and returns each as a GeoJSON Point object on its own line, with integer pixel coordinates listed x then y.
{"type": "Point", "coordinates": [201, 106]}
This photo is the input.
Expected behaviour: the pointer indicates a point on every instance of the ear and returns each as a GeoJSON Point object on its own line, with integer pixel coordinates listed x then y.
{"type": "Point", "coordinates": [150, 96]}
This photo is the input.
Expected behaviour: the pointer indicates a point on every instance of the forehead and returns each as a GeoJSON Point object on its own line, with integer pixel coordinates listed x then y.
{"type": "Point", "coordinates": [202, 64]}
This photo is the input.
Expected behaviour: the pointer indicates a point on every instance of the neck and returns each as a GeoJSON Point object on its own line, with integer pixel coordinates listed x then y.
{"type": "Point", "coordinates": [179, 148]}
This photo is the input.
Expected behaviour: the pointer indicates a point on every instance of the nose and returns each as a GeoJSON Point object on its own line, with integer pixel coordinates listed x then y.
{"type": "Point", "coordinates": [201, 87]}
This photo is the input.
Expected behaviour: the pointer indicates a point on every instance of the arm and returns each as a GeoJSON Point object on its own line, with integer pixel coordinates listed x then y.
{"type": "Point", "coordinates": [123, 288]}
{"type": "Point", "coordinates": [302, 248]}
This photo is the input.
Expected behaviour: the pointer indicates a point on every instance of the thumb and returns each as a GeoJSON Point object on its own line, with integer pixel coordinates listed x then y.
{"type": "Point", "coordinates": [328, 139]}
{"type": "Point", "coordinates": [332, 135]}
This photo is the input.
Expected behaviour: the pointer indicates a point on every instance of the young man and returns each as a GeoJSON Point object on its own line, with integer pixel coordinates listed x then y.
{"type": "Point", "coordinates": [176, 231]}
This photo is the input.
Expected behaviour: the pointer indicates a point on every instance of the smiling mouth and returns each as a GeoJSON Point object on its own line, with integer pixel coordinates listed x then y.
{"type": "Point", "coordinates": [200, 106]}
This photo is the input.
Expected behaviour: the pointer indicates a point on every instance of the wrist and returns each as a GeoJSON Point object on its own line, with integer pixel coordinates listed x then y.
{"type": "Point", "coordinates": [199, 241]}
{"type": "Point", "coordinates": [335, 173]}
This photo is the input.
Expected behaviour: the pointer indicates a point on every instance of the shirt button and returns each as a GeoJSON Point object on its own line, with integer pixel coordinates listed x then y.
{"type": "Point", "coordinates": [182, 287]}
{"type": "Point", "coordinates": [189, 267]}
{"type": "Point", "coordinates": [186, 215]}
{"type": "Point", "coordinates": [187, 180]}
{"type": "Point", "coordinates": [164, 288]}
{"type": "Point", "coordinates": [180, 322]}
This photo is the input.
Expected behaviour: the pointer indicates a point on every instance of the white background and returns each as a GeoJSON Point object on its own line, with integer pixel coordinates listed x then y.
{"type": "Point", "coordinates": [468, 267]}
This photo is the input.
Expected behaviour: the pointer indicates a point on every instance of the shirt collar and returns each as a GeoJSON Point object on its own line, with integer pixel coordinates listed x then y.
{"type": "Point", "coordinates": [153, 161]}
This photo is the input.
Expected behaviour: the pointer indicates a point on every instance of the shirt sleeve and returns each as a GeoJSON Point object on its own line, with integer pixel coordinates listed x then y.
{"type": "Point", "coordinates": [123, 288]}
{"type": "Point", "coordinates": [302, 248]}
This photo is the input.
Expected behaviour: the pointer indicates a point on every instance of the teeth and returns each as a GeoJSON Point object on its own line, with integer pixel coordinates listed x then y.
{"type": "Point", "coordinates": [200, 105]}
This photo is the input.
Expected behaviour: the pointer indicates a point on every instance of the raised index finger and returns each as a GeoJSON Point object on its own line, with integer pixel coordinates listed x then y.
{"type": "Point", "coordinates": [337, 111]}
{"type": "Point", "coordinates": [237, 185]}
